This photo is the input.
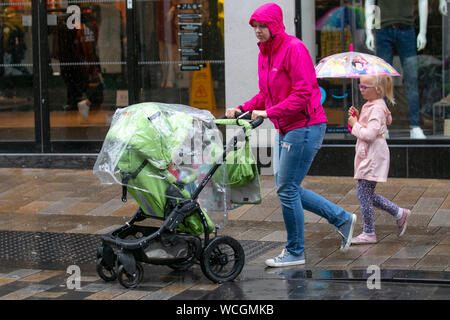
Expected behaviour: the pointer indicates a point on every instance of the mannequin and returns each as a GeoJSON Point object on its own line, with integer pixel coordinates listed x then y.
{"type": "Point", "coordinates": [443, 7]}
{"type": "Point", "coordinates": [167, 40]}
{"type": "Point", "coordinates": [397, 31]}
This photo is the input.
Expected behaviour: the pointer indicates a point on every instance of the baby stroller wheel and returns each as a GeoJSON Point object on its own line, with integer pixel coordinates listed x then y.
{"type": "Point", "coordinates": [130, 281]}
{"type": "Point", "coordinates": [223, 259]}
{"type": "Point", "coordinates": [106, 273]}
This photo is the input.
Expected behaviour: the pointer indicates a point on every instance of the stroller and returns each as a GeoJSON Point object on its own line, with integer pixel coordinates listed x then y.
{"type": "Point", "coordinates": [169, 158]}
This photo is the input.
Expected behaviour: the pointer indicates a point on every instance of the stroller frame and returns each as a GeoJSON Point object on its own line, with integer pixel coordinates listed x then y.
{"type": "Point", "coordinates": [119, 257]}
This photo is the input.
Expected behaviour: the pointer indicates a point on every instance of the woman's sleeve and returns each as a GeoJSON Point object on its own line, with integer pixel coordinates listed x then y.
{"type": "Point", "coordinates": [256, 103]}
{"type": "Point", "coordinates": [298, 65]}
{"type": "Point", "coordinates": [372, 130]}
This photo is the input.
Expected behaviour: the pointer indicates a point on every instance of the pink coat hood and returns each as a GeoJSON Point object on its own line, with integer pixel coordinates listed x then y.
{"type": "Point", "coordinates": [289, 91]}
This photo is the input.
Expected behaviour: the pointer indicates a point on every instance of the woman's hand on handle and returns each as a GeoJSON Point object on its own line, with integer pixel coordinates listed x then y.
{"type": "Point", "coordinates": [259, 113]}
{"type": "Point", "coordinates": [231, 112]}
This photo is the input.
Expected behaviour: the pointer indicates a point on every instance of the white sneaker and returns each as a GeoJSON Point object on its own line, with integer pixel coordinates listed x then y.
{"type": "Point", "coordinates": [83, 109]}
{"type": "Point", "coordinates": [285, 259]}
{"type": "Point", "coordinates": [417, 133]}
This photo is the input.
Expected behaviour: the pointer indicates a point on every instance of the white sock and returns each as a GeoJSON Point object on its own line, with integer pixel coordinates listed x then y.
{"type": "Point", "coordinates": [399, 214]}
{"type": "Point", "coordinates": [369, 234]}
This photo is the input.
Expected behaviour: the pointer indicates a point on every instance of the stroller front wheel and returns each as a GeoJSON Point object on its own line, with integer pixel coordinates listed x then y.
{"type": "Point", "coordinates": [130, 281]}
{"type": "Point", "coordinates": [223, 259]}
{"type": "Point", "coordinates": [106, 273]}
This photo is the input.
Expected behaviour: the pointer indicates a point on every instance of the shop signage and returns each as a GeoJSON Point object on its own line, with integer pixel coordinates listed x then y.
{"type": "Point", "coordinates": [190, 35]}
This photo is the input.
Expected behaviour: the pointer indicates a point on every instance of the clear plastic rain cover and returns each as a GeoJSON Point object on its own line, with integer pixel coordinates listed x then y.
{"type": "Point", "coordinates": [161, 153]}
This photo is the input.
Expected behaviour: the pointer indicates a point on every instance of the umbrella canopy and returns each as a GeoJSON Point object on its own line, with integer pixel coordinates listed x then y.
{"type": "Point", "coordinates": [353, 65]}
{"type": "Point", "coordinates": [340, 17]}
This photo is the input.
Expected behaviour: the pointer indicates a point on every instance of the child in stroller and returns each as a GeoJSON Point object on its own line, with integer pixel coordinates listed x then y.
{"type": "Point", "coordinates": [148, 150]}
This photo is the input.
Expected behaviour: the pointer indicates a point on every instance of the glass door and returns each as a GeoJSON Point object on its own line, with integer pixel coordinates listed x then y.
{"type": "Point", "coordinates": [16, 73]}
{"type": "Point", "coordinates": [180, 53]}
{"type": "Point", "coordinates": [87, 69]}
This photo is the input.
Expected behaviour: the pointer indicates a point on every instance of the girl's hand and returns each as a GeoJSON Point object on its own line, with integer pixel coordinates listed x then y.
{"type": "Point", "coordinates": [259, 113]}
{"type": "Point", "coordinates": [352, 120]}
{"type": "Point", "coordinates": [352, 110]}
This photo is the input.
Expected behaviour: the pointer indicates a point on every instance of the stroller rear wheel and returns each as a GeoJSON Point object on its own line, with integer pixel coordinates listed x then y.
{"type": "Point", "coordinates": [105, 272]}
{"type": "Point", "coordinates": [223, 259]}
{"type": "Point", "coordinates": [130, 281]}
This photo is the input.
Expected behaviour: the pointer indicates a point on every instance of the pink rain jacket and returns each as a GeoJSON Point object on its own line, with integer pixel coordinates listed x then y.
{"type": "Point", "coordinates": [289, 91]}
{"type": "Point", "coordinates": [372, 152]}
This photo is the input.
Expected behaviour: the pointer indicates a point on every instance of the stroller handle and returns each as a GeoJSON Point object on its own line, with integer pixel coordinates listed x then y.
{"type": "Point", "coordinates": [247, 116]}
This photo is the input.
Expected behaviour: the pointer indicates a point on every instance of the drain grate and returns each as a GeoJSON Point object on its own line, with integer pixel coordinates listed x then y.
{"type": "Point", "coordinates": [48, 249]}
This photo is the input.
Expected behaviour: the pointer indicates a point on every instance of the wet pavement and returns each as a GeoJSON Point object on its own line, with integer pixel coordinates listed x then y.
{"type": "Point", "coordinates": [53, 219]}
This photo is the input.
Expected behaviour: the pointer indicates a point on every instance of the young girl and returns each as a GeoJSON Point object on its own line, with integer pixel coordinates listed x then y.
{"type": "Point", "coordinates": [372, 154]}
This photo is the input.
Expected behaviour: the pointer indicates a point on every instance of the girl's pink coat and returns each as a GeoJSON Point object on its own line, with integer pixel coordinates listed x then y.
{"type": "Point", "coordinates": [372, 152]}
{"type": "Point", "coordinates": [288, 86]}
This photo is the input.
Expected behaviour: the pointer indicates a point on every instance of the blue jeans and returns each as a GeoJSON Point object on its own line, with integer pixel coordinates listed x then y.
{"type": "Point", "coordinates": [296, 151]}
{"type": "Point", "coordinates": [405, 42]}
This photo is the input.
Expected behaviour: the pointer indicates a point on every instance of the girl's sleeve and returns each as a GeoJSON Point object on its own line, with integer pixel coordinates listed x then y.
{"type": "Point", "coordinates": [297, 65]}
{"type": "Point", "coordinates": [372, 130]}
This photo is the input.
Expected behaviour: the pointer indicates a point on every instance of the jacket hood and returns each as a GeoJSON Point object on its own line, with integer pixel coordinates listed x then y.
{"type": "Point", "coordinates": [271, 15]}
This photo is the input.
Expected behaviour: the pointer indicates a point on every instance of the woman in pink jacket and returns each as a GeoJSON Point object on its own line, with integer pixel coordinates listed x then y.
{"type": "Point", "coordinates": [290, 97]}
{"type": "Point", "coordinates": [372, 154]}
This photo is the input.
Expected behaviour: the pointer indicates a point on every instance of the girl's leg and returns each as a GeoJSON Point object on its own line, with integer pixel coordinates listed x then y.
{"type": "Point", "coordinates": [365, 191]}
{"type": "Point", "coordinates": [384, 204]}
{"type": "Point", "coordinates": [400, 214]}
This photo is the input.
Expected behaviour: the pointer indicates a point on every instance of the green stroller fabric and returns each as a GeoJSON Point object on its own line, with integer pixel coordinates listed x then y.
{"type": "Point", "coordinates": [241, 168]}
{"type": "Point", "coordinates": [151, 138]}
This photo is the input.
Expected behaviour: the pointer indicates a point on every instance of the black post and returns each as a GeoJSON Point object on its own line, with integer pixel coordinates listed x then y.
{"type": "Point", "coordinates": [40, 75]}
{"type": "Point", "coordinates": [132, 74]}
{"type": "Point", "coordinates": [298, 19]}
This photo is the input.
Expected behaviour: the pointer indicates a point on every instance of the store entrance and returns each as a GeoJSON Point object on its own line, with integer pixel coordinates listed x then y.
{"type": "Point", "coordinates": [68, 65]}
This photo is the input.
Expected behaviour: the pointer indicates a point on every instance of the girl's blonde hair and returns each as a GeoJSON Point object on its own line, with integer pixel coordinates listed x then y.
{"type": "Point", "coordinates": [386, 84]}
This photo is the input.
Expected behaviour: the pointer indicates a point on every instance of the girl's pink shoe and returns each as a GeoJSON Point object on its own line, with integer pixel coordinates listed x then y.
{"type": "Point", "coordinates": [402, 222]}
{"type": "Point", "coordinates": [364, 239]}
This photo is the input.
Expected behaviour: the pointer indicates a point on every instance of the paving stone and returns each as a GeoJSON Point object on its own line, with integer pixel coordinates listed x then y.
{"type": "Point", "coordinates": [131, 295]}
{"type": "Point", "coordinates": [60, 206]}
{"type": "Point", "coordinates": [427, 206]}
{"type": "Point", "coordinates": [103, 295]}
{"type": "Point", "coordinates": [107, 208]}
{"type": "Point", "coordinates": [26, 292]}
{"type": "Point", "coordinates": [441, 219]}
{"type": "Point", "coordinates": [41, 276]}
{"type": "Point", "coordinates": [277, 215]}
{"type": "Point", "coordinates": [254, 234]}
{"type": "Point", "coordinates": [257, 213]}
{"type": "Point", "coordinates": [399, 263]}
{"type": "Point", "coordinates": [408, 195]}
{"type": "Point", "coordinates": [159, 295]}
{"type": "Point", "coordinates": [434, 262]}
{"type": "Point", "coordinates": [280, 236]}
{"type": "Point", "coordinates": [20, 273]}
{"type": "Point", "coordinates": [413, 251]}
{"type": "Point", "coordinates": [446, 204]}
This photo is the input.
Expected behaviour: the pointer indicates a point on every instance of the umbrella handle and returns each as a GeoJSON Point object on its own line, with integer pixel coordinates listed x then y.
{"type": "Point", "coordinates": [348, 126]}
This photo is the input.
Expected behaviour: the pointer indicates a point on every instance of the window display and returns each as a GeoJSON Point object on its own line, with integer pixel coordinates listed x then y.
{"type": "Point", "coordinates": [409, 35]}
